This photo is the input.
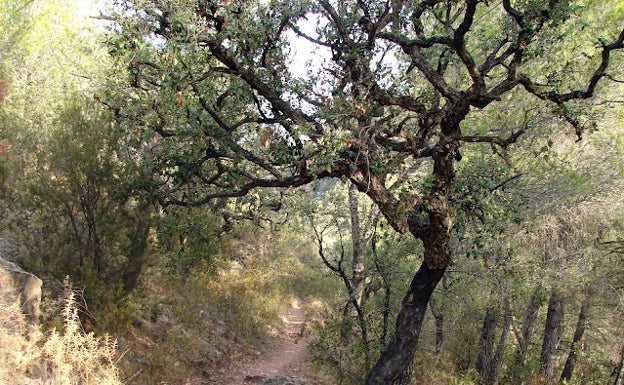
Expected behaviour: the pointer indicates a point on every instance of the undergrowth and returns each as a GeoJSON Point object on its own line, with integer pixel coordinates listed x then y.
{"type": "Point", "coordinates": [59, 357]}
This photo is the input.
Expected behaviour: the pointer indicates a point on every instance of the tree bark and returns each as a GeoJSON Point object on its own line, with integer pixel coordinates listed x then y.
{"type": "Point", "coordinates": [553, 331]}
{"type": "Point", "coordinates": [400, 352]}
{"type": "Point", "coordinates": [394, 364]}
{"type": "Point", "coordinates": [439, 327]}
{"type": "Point", "coordinates": [485, 353]}
{"type": "Point", "coordinates": [387, 292]}
{"type": "Point", "coordinates": [138, 247]}
{"type": "Point", "coordinates": [502, 341]}
{"type": "Point", "coordinates": [358, 240]}
{"type": "Point", "coordinates": [618, 372]}
{"type": "Point", "coordinates": [568, 368]}
{"type": "Point", "coordinates": [523, 336]}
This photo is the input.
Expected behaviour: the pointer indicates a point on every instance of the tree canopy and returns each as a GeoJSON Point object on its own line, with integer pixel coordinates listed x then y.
{"type": "Point", "coordinates": [392, 94]}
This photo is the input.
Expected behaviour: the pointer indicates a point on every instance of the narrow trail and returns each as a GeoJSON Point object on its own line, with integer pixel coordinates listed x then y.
{"type": "Point", "coordinates": [285, 361]}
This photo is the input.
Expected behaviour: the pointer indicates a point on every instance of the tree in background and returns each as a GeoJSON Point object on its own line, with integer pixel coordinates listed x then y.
{"type": "Point", "coordinates": [398, 88]}
{"type": "Point", "coordinates": [73, 202]}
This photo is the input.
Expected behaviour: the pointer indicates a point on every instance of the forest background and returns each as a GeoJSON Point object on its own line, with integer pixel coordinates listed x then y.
{"type": "Point", "coordinates": [167, 162]}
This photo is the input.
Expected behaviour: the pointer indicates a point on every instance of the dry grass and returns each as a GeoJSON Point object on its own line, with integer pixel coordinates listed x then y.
{"type": "Point", "coordinates": [58, 358]}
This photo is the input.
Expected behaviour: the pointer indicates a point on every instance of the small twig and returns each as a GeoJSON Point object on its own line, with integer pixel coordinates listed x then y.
{"type": "Point", "coordinates": [133, 376]}
{"type": "Point", "coordinates": [503, 183]}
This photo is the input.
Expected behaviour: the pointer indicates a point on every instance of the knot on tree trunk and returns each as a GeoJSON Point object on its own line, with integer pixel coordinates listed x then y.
{"type": "Point", "coordinates": [419, 225]}
{"type": "Point", "coordinates": [437, 263]}
{"type": "Point", "coordinates": [436, 255]}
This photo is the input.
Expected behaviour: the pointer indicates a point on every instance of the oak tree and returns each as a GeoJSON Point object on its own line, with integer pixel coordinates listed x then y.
{"type": "Point", "coordinates": [392, 91]}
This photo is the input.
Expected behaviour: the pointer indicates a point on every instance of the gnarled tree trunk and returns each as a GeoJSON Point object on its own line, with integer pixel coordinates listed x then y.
{"type": "Point", "coordinates": [400, 351]}
{"type": "Point", "coordinates": [395, 363]}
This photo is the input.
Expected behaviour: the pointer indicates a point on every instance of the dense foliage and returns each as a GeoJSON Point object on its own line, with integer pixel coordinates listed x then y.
{"type": "Point", "coordinates": [396, 90]}
{"type": "Point", "coordinates": [455, 163]}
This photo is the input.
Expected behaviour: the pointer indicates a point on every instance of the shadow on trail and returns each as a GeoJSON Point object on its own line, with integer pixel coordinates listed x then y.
{"type": "Point", "coordinates": [285, 361]}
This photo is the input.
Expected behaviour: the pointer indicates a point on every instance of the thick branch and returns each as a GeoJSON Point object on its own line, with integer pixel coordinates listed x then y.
{"type": "Point", "coordinates": [589, 91]}
{"type": "Point", "coordinates": [223, 55]}
{"type": "Point", "coordinates": [232, 192]}
{"type": "Point", "coordinates": [460, 47]}
{"type": "Point", "coordinates": [393, 209]}
{"type": "Point", "coordinates": [408, 103]}
{"type": "Point", "coordinates": [335, 18]}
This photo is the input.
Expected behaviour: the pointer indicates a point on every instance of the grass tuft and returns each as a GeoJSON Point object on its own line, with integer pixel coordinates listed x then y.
{"type": "Point", "coordinates": [66, 357]}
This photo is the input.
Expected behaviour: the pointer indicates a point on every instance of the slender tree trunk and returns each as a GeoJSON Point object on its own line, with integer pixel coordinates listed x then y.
{"type": "Point", "coordinates": [488, 359]}
{"type": "Point", "coordinates": [138, 247]}
{"type": "Point", "coordinates": [523, 336]}
{"type": "Point", "coordinates": [438, 317]}
{"type": "Point", "coordinates": [357, 277]}
{"type": "Point", "coordinates": [339, 269]}
{"type": "Point", "coordinates": [618, 372]}
{"type": "Point", "coordinates": [360, 235]}
{"type": "Point", "coordinates": [485, 352]}
{"type": "Point", "coordinates": [387, 291]}
{"type": "Point", "coordinates": [568, 368]}
{"type": "Point", "coordinates": [502, 342]}
{"type": "Point", "coordinates": [439, 327]}
{"type": "Point", "coordinates": [138, 243]}
{"type": "Point", "coordinates": [94, 242]}
{"type": "Point", "coordinates": [553, 331]}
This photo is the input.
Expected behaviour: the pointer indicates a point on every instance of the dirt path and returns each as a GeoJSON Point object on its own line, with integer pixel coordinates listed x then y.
{"type": "Point", "coordinates": [285, 361]}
